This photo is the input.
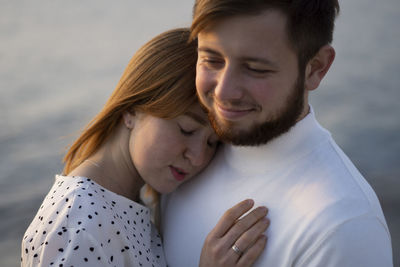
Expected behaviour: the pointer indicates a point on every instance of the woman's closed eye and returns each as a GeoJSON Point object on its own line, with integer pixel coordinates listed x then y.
{"type": "Point", "coordinates": [211, 62]}
{"type": "Point", "coordinates": [186, 132]}
{"type": "Point", "coordinates": [211, 142]}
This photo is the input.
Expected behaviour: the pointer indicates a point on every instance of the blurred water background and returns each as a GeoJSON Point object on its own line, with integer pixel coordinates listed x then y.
{"type": "Point", "coordinates": [60, 60]}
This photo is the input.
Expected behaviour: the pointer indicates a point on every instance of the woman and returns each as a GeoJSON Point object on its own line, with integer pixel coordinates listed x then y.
{"type": "Point", "coordinates": [152, 132]}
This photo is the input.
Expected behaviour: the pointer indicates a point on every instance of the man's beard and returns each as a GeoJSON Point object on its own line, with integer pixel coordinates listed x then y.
{"type": "Point", "coordinates": [260, 134]}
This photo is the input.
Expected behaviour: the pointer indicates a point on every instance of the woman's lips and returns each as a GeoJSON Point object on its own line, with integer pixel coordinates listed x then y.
{"type": "Point", "coordinates": [178, 174]}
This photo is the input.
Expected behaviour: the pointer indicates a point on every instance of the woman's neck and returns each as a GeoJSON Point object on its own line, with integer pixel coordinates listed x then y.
{"type": "Point", "coordinates": [112, 167]}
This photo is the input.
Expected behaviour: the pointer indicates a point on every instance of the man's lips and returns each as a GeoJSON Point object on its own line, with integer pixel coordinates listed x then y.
{"type": "Point", "coordinates": [179, 174]}
{"type": "Point", "coordinates": [232, 113]}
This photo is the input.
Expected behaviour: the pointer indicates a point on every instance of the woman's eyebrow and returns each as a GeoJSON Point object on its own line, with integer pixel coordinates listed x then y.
{"type": "Point", "coordinates": [197, 118]}
{"type": "Point", "coordinates": [207, 50]}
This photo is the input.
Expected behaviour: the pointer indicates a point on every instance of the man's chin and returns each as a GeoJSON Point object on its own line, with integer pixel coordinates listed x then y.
{"type": "Point", "coordinates": [247, 132]}
{"type": "Point", "coordinates": [251, 135]}
{"type": "Point", "coordinates": [231, 133]}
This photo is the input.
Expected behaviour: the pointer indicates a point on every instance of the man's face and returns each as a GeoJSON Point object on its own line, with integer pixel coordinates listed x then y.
{"type": "Point", "coordinates": [248, 78]}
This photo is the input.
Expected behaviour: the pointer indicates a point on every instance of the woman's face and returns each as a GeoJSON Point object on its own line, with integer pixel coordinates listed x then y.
{"type": "Point", "coordinates": [168, 152]}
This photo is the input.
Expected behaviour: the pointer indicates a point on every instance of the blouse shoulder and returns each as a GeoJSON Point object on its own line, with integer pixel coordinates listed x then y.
{"type": "Point", "coordinates": [80, 222]}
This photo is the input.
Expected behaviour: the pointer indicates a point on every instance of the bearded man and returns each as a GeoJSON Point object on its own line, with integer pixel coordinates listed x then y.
{"type": "Point", "coordinates": [257, 62]}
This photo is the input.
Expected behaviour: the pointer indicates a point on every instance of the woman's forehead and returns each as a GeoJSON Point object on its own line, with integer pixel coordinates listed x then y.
{"type": "Point", "coordinates": [197, 113]}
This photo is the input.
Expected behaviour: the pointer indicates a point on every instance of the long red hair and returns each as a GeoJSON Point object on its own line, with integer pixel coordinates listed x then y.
{"type": "Point", "coordinates": [159, 80]}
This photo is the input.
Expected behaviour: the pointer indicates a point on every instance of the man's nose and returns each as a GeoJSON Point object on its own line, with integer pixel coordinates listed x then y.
{"type": "Point", "coordinates": [227, 85]}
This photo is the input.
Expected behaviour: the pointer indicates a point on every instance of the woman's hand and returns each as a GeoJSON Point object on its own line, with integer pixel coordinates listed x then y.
{"type": "Point", "coordinates": [234, 241]}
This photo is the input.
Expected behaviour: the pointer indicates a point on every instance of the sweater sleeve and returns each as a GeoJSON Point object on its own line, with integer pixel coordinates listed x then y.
{"type": "Point", "coordinates": [362, 241]}
{"type": "Point", "coordinates": [69, 247]}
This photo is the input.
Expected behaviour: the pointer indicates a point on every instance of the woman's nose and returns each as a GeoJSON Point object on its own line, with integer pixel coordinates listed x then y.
{"type": "Point", "coordinates": [196, 153]}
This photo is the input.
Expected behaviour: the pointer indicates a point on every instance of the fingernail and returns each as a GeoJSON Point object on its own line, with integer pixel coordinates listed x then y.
{"type": "Point", "coordinates": [263, 209]}
{"type": "Point", "coordinates": [250, 201]}
{"type": "Point", "coordinates": [266, 221]}
{"type": "Point", "coordinates": [264, 237]}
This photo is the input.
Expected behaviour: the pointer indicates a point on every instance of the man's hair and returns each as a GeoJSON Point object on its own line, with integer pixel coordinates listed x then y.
{"type": "Point", "coordinates": [310, 23]}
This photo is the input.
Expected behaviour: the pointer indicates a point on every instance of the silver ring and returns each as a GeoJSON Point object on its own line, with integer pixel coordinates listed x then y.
{"type": "Point", "coordinates": [237, 250]}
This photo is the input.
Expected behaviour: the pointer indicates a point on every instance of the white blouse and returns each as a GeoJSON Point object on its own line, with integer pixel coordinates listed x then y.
{"type": "Point", "coordinates": [80, 223]}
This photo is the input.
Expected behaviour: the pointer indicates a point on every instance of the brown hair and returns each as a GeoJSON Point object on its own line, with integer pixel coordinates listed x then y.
{"type": "Point", "coordinates": [159, 80]}
{"type": "Point", "coordinates": [310, 22]}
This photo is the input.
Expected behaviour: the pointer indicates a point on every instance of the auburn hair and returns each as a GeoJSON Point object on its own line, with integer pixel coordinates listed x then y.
{"type": "Point", "coordinates": [159, 80]}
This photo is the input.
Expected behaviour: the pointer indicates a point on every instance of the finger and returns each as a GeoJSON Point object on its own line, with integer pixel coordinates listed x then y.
{"type": "Point", "coordinates": [253, 252]}
{"type": "Point", "coordinates": [248, 238]}
{"type": "Point", "coordinates": [244, 224]}
{"type": "Point", "coordinates": [231, 216]}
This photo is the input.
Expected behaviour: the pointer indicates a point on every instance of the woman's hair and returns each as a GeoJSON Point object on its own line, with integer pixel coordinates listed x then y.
{"type": "Point", "coordinates": [310, 22]}
{"type": "Point", "coordinates": [159, 80]}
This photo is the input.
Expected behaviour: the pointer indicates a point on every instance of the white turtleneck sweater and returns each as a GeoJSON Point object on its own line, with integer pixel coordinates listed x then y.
{"type": "Point", "coordinates": [322, 211]}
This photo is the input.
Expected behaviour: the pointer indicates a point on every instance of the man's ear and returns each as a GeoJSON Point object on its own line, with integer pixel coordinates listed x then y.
{"type": "Point", "coordinates": [129, 119]}
{"type": "Point", "coordinates": [318, 66]}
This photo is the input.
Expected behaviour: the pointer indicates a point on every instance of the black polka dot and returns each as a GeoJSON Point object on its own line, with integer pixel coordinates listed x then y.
{"type": "Point", "coordinates": [98, 213]}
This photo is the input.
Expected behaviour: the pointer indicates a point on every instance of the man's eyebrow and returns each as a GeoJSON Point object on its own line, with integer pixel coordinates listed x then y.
{"type": "Point", "coordinates": [197, 118]}
{"type": "Point", "coordinates": [260, 60]}
{"type": "Point", "coordinates": [244, 59]}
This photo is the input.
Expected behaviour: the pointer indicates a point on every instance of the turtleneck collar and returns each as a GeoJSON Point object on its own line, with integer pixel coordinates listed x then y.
{"type": "Point", "coordinates": [301, 139]}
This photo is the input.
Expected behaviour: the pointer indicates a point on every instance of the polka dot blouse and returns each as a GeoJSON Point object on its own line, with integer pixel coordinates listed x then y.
{"type": "Point", "coordinates": [80, 223]}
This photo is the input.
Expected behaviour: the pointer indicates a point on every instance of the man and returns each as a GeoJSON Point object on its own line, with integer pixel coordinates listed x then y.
{"type": "Point", "coordinates": [257, 62]}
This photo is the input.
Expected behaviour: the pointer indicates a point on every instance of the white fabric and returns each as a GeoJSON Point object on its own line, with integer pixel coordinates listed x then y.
{"type": "Point", "coordinates": [322, 211]}
{"type": "Point", "coordinates": [81, 223]}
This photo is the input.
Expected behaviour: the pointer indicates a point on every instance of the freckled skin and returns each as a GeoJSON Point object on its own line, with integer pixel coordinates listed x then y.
{"type": "Point", "coordinates": [157, 144]}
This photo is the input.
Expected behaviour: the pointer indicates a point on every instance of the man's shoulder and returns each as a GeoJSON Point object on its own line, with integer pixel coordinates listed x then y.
{"type": "Point", "coordinates": [338, 178]}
